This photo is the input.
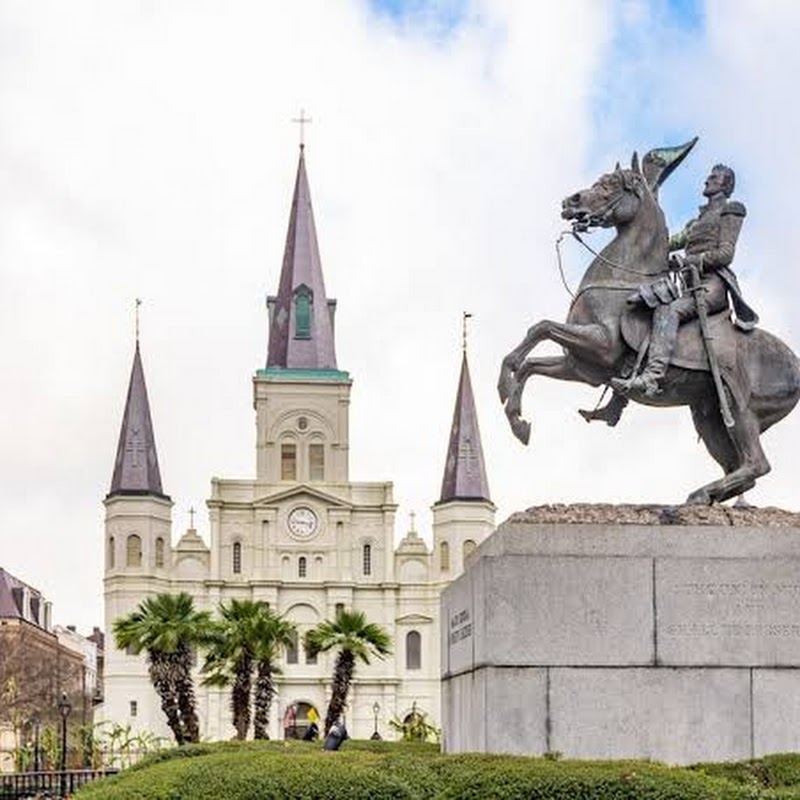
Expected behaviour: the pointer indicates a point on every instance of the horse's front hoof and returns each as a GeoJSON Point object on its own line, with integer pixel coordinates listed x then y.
{"type": "Point", "coordinates": [699, 497]}
{"type": "Point", "coordinates": [521, 429]}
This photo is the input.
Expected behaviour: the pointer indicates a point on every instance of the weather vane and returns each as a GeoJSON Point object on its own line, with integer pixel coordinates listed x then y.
{"type": "Point", "coordinates": [191, 518]}
{"type": "Point", "coordinates": [301, 121]}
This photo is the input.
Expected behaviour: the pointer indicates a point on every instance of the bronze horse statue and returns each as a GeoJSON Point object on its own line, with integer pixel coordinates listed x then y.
{"type": "Point", "coordinates": [604, 337]}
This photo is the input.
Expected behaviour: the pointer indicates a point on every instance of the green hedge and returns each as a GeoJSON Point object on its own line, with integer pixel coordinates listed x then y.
{"type": "Point", "coordinates": [394, 771]}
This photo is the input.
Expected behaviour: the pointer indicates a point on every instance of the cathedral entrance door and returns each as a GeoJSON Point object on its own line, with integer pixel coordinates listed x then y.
{"type": "Point", "coordinates": [298, 719]}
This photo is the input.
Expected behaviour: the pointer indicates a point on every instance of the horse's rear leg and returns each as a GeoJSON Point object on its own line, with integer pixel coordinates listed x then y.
{"type": "Point", "coordinates": [737, 450]}
{"type": "Point", "coordinates": [559, 367]}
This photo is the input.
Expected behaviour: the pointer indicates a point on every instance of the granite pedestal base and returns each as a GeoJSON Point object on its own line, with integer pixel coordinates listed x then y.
{"type": "Point", "coordinates": [673, 634]}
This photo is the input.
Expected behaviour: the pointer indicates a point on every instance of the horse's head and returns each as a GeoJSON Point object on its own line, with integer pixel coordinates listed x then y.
{"type": "Point", "coordinates": [612, 200]}
{"type": "Point", "coordinates": [617, 197]}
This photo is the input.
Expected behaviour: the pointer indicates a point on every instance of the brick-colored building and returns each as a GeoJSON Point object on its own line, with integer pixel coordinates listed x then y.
{"type": "Point", "coordinates": [36, 666]}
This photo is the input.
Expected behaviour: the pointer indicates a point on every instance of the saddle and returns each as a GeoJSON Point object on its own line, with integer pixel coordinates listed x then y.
{"type": "Point", "coordinates": [690, 349]}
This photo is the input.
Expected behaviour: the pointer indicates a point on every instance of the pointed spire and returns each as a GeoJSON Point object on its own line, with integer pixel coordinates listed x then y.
{"type": "Point", "coordinates": [464, 471]}
{"type": "Point", "coordinates": [301, 316]}
{"type": "Point", "coordinates": [136, 467]}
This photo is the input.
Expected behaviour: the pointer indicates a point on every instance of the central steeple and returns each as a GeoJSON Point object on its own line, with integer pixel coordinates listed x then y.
{"type": "Point", "coordinates": [301, 316]}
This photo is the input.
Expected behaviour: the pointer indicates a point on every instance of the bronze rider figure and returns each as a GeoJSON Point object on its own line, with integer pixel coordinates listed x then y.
{"type": "Point", "coordinates": [709, 243]}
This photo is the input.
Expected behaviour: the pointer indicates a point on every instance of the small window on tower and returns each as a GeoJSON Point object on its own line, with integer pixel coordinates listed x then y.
{"type": "Point", "coordinates": [366, 558]}
{"type": "Point", "coordinates": [302, 313]}
{"type": "Point", "coordinates": [288, 462]}
{"type": "Point", "coordinates": [134, 708]}
{"type": "Point", "coordinates": [469, 547]}
{"type": "Point", "coordinates": [111, 553]}
{"type": "Point", "coordinates": [159, 552]}
{"type": "Point", "coordinates": [316, 461]}
{"type": "Point", "coordinates": [237, 558]}
{"type": "Point", "coordinates": [134, 551]}
{"type": "Point", "coordinates": [302, 567]}
{"type": "Point", "coordinates": [444, 557]}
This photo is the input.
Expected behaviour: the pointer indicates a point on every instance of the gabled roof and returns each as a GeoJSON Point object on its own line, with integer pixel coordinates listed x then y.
{"type": "Point", "coordinates": [309, 344]}
{"type": "Point", "coordinates": [464, 470]}
{"type": "Point", "coordinates": [136, 467]}
{"type": "Point", "coordinates": [302, 489]}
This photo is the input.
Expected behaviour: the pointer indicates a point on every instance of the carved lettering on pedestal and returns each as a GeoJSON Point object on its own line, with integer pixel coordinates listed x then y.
{"type": "Point", "coordinates": [460, 626]}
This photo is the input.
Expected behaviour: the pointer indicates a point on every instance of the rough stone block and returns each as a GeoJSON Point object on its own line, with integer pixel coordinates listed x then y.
{"type": "Point", "coordinates": [566, 610]}
{"type": "Point", "coordinates": [675, 715]}
{"type": "Point", "coordinates": [776, 711]}
{"type": "Point", "coordinates": [499, 709]}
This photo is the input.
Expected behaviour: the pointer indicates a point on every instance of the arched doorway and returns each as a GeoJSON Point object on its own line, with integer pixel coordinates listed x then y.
{"type": "Point", "coordinates": [298, 719]}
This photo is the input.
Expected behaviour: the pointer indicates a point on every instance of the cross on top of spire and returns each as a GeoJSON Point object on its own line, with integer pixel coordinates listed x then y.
{"type": "Point", "coordinates": [138, 303]}
{"type": "Point", "coordinates": [465, 316]}
{"type": "Point", "coordinates": [301, 121]}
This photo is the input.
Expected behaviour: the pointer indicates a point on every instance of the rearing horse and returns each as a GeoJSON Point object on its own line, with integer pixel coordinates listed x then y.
{"type": "Point", "coordinates": [763, 382]}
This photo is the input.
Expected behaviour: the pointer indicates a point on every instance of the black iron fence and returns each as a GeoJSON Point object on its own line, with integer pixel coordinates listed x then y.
{"type": "Point", "coordinates": [24, 785]}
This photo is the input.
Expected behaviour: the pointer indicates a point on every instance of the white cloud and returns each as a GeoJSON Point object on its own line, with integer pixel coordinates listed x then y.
{"type": "Point", "coordinates": [146, 150]}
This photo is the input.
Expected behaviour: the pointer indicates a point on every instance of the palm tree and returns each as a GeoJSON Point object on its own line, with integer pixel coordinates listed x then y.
{"type": "Point", "coordinates": [167, 627]}
{"type": "Point", "coordinates": [275, 634]}
{"type": "Point", "coordinates": [248, 637]}
{"type": "Point", "coordinates": [352, 637]}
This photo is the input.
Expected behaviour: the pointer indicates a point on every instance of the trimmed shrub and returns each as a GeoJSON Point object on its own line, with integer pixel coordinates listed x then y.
{"type": "Point", "coordinates": [415, 771]}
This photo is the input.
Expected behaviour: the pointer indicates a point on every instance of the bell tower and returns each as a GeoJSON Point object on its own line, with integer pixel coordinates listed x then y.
{"type": "Point", "coordinates": [138, 552]}
{"type": "Point", "coordinates": [301, 398]}
{"type": "Point", "coordinates": [464, 514]}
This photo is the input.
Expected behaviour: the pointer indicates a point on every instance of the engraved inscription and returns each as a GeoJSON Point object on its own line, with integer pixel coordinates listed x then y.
{"type": "Point", "coordinates": [735, 604]}
{"type": "Point", "coordinates": [460, 626]}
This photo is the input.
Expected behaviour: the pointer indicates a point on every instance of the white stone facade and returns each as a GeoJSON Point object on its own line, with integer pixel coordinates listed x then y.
{"type": "Point", "coordinates": [303, 546]}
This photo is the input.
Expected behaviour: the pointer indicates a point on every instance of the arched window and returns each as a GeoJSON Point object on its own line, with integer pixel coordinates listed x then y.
{"type": "Point", "coordinates": [237, 558]}
{"type": "Point", "coordinates": [469, 546]}
{"type": "Point", "coordinates": [133, 551]}
{"type": "Point", "coordinates": [444, 557]}
{"type": "Point", "coordinates": [366, 559]}
{"type": "Point", "coordinates": [413, 650]}
{"type": "Point", "coordinates": [159, 552]}
{"type": "Point", "coordinates": [302, 567]}
{"type": "Point", "coordinates": [111, 553]}
{"type": "Point", "coordinates": [311, 655]}
{"type": "Point", "coordinates": [291, 649]}
{"type": "Point", "coordinates": [288, 461]}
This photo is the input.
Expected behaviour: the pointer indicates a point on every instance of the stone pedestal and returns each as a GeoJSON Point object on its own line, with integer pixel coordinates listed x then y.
{"type": "Point", "coordinates": [627, 631]}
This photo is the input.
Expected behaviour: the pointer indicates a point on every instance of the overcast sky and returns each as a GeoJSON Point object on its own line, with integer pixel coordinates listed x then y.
{"type": "Point", "coordinates": [147, 150]}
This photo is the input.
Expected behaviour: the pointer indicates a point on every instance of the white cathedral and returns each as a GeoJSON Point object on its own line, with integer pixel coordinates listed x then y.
{"type": "Point", "coordinates": [300, 535]}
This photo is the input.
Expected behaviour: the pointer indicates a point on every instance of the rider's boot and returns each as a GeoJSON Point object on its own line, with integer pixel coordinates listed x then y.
{"type": "Point", "coordinates": [662, 339]}
{"type": "Point", "coordinates": [610, 413]}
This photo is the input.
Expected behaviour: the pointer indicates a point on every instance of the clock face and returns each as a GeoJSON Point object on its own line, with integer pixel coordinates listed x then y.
{"type": "Point", "coordinates": [302, 523]}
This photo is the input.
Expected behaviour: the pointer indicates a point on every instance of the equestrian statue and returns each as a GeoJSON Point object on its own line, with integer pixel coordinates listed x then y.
{"type": "Point", "coordinates": [663, 322]}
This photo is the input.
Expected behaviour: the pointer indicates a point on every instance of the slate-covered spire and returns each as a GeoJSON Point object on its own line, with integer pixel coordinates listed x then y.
{"type": "Point", "coordinates": [464, 470]}
{"type": "Point", "coordinates": [301, 316]}
{"type": "Point", "coordinates": [136, 468]}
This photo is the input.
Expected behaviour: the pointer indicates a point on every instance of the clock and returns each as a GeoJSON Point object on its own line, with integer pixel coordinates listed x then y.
{"type": "Point", "coordinates": [302, 522]}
